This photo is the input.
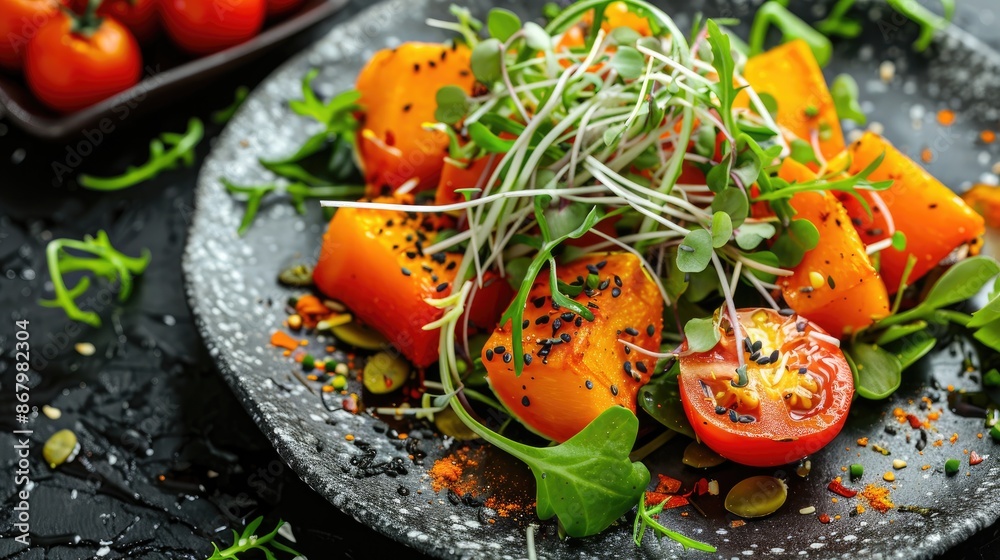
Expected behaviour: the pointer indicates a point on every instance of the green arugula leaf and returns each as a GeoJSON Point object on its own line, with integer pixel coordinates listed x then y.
{"type": "Point", "coordinates": [803, 152]}
{"type": "Point", "coordinates": [646, 519]}
{"type": "Point", "coordinates": [960, 282]}
{"type": "Point", "coordinates": [223, 115]}
{"type": "Point", "coordinates": [910, 349]}
{"type": "Point", "coordinates": [877, 373]}
{"type": "Point", "coordinates": [722, 61]}
{"type": "Point", "coordinates": [695, 252]}
{"type": "Point", "coordinates": [249, 540]}
{"type": "Point", "coordinates": [845, 98]}
{"type": "Point", "coordinates": [164, 153]}
{"type": "Point", "coordinates": [103, 261]}
{"type": "Point", "coordinates": [338, 113]}
{"type": "Point", "coordinates": [791, 27]}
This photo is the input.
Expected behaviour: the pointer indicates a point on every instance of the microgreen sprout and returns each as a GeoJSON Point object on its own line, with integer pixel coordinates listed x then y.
{"type": "Point", "coordinates": [248, 541]}
{"type": "Point", "coordinates": [165, 153]}
{"type": "Point", "coordinates": [65, 256]}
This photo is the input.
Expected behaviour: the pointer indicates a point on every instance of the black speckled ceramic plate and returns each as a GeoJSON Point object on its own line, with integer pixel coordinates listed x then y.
{"type": "Point", "coordinates": [232, 287]}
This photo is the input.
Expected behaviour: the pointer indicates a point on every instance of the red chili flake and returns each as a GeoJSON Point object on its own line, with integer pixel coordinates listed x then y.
{"type": "Point", "coordinates": [654, 498]}
{"type": "Point", "coordinates": [668, 485]}
{"type": "Point", "coordinates": [675, 502]}
{"type": "Point", "coordinates": [837, 488]}
{"type": "Point", "coordinates": [701, 487]}
{"type": "Point", "coordinates": [975, 458]}
{"type": "Point", "coordinates": [914, 421]}
{"type": "Point", "coordinates": [824, 518]}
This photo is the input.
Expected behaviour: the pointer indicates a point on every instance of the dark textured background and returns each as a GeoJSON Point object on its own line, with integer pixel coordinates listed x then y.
{"type": "Point", "coordinates": [170, 460]}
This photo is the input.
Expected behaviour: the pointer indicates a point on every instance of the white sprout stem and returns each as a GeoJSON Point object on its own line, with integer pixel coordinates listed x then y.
{"type": "Point", "coordinates": [736, 277]}
{"type": "Point", "coordinates": [482, 201]}
{"type": "Point", "coordinates": [506, 75]}
{"type": "Point", "coordinates": [448, 243]}
{"type": "Point", "coordinates": [734, 317]}
{"type": "Point", "coordinates": [661, 235]}
{"type": "Point", "coordinates": [761, 289]}
{"type": "Point", "coordinates": [650, 353]}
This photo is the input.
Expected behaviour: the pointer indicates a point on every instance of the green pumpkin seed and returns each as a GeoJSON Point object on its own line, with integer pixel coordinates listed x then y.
{"type": "Point", "coordinates": [699, 456]}
{"type": "Point", "coordinates": [756, 496]}
{"type": "Point", "coordinates": [449, 424]}
{"type": "Point", "coordinates": [384, 373]}
{"type": "Point", "coordinates": [359, 336]}
{"type": "Point", "coordinates": [299, 275]}
{"type": "Point", "coordinates": [60, 448]}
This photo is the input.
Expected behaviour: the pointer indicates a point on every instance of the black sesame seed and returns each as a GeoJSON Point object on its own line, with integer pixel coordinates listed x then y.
{"type": "Point", "coordinates": [627, 366]}
{"type": "Point", "coordinates": [438, 257]}
{"type": "Point", "coordinates": [542, 320]}
{"type": "Point", "coordinates": [747, 345]}
{"type": "Point", "coordinates": [720, 409]}
{"type": "Point", "coordinates": [525, 323]}
{"type": "Point", "coordinates": [641, 366]}
{"type": "Point", "coordinates": [416, 67]}
{"type": "Point", "coordinates": [686, 248]}
{"type": "Point", "coordinates": [565, 337]}
{"type": "Point", "coordinates": [806, 289]}
{"type": "Point", "coordinates": [615, 292]}
{"type": "Point", "coordinates": [556, 325]}
{"type": "Point", "coordinates": [746, 419]}
{"type": "Point", "coordinates": [604, 284]}
{"type": "Point", "coordinates": [631, 331]}
{"type": "Point", "coordinates": [434, 277]}
{"type": "Point", "coordinates": [407, 107]}
{"type": "Point", "coordinates": [592, 269]}
{"type": "Point", "coordinates": [602, 264]}
{"type": "Point", "coordinates": [589, 384]}
{"type": "Point", "coordinates": [628, 350]}
{"type": "Point", "coordinates": [499, 349]}
{"type": "Point", "coordinates": [525, 401]}
{"type": "Point", "coordinates": [618, 281]}
{"type": "Point", "coordinates": [757, 346]}
{"type": "Point", "coordinates": [786, 312]}
{"type": "Point", "coordinates": [507, 358]}
{"type": "Point", "coordinates": [538, 302]}
{"type": "Point", "coordinates": [442, 286]}
{"type": "Point", "coordinates": [803, 370]}
{"type": "Point", "coordinates": [527, 359]}
{"type": "Point", "coordinates": [650, 329]}
{"type": "Point", "coordinates": [614, 390]}
{"type": "Point", "coordinates": [733, 416]}
{"type": "Point", "coordinates": [406, 271]}
{"type": "Point", "coordinates": [755, 356]}
{"type": "Point", "coordinates": [763, 361]}
{"type": "Point", "coordinates": [566, 316]}
{"type": "Point", "coordinates": [451, 265]}
{"type": "Point", "coordinates": [545, 351]}
{"type": "Point", "coordinates": [411, 255]}
{"type": "Point", "coordinates": [800, 326]}
{"type": "Point", "coordinates": [578, 322]}
{"type": "Point", "coordinates": [773, 358]}
{"type": "Point", "coordinates": [426, 268]}
{"type": "Point", "coordinates": [489, 355]}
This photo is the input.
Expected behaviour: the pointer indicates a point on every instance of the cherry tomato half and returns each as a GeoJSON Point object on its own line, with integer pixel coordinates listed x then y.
{"type": "Point", "coordinates": [783, 409]}
{"type": "Point", "coordinates": [204, 27]}
{"type": "Point", "coordinates": [69, 71]}
{"type": "Point", "coordinates": [20, 20]}
{"type": "Point", "coordinates": [281, 7]}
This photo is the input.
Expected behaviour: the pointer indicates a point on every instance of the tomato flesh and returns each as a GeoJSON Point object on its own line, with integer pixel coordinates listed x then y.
{"type": "Point", "coordinates": [783, 410]}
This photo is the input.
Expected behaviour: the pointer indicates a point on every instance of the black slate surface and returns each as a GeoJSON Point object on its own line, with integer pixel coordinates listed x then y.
{"type": "Point", "coordinates": [149, 404]}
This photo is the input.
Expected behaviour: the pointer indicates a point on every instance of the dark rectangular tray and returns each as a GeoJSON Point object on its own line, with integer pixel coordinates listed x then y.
{"type": "Point", "coordinates": [167, 75]}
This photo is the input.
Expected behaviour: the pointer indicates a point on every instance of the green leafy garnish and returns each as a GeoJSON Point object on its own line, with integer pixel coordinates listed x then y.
{"type": "Point", "coordinates": [646, 519]}
{"type": "Point", "coordinates": [223, 115]}
{"type": "Point", "coordinates": [791, 27]}
{"type": "Point", "coordinates": [248, 541]}
{"type": "Point", "coordinates": [845, 98]}
{"type": "Point", "coordinates": [298, 193]}
{"type": "Point", "coordinates": [502, 23]}
{"type": "Point", "coordinates": [165, 152]}
{"type": "Point", "coordinates": [103, 261]}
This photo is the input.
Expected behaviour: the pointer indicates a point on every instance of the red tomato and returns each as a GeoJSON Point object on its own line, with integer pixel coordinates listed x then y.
{"type": "Point", "coordinates": [69, 71]}
{"type": "Point", "coordinates": [138, 15]}
{"type": "Point", "coordinates": [19, 22]}
{"type": "Point", "coordinates": [281, 7]}
{"type": "Point", "coordinates": [204, 27]}
{"type": "Point", "coordinates": [788, 409]}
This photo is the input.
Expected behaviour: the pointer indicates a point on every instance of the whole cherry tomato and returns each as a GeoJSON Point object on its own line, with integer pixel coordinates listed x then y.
{"type": "Point", "coordinates": [281, 7]}
{"type": "Point", "coordinates": [19, 22]}
{"type": "Point", "coordinates": [207, 26]}
{"type": "Point", "coordinates": [789, 401]}
{"type": "Point", "coordinates": [139, 16]}
{"type": "Point", "coordinates": [71, 69]}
